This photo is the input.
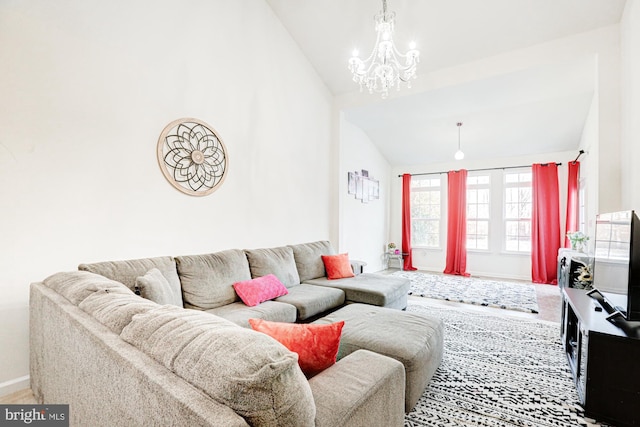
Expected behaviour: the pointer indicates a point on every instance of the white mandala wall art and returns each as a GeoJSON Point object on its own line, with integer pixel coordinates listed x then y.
{"type": "Point", "coordinates": [192, 157]}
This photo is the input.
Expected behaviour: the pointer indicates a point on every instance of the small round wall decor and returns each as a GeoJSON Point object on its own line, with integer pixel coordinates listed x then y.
{"type": "Point", "coordinates": [192, 157]}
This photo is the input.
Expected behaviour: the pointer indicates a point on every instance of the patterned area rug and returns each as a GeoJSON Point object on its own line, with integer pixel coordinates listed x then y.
{"type": "Point", "coordinates": [498, 372]}
{"type": "Point", "coordinates": [490, 293]}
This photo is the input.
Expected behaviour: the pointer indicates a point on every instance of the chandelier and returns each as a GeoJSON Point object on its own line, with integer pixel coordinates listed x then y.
{"type": "Point", "coordinates": [386, 67]}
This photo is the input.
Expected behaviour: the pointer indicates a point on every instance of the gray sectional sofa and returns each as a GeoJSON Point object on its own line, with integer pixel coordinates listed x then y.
{"type": "Point", "coordinates": [120, 359]}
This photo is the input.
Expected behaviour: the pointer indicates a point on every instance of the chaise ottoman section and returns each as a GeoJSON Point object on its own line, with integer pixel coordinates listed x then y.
{"type": "Point", "coordinates": [413, 339]}
{"type": "Point", "coordinates": [369, 288]}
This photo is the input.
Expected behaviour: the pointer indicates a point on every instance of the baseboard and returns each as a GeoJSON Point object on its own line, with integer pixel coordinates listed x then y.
{"type": "Point", "coordinates": [14, 385]}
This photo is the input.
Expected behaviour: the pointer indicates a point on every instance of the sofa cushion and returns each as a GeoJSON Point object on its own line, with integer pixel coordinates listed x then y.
{"type": "Point", "coordinates": [153, 286]}
{"type": "Point", "coordinates": [316, 345]}
{"type": "Point", "coordinates": [337, 266]}
{"type": "Point", "coordinates": [207, 280]}
{"type": "Point", "coordinates": [239, 313]}
{"type": "Point", "coordinates": [115, 309]}
{"type": "Point", "coordinates": [253, 292]}
{"type": "Point", "coordinates": [310, 300]}
{"type": "Point", "coordinates": [278, 261]}
{"type": "Point", "coordinates": [128, 271]}
{"type": "Point", "coordinates": [370, 288]}
{"type": "Point", "coordinates": [308, 258]}
{"type": "Point", "coordinates": [78, 285]}
{"type": "Point", "coordinates": [248, 371]}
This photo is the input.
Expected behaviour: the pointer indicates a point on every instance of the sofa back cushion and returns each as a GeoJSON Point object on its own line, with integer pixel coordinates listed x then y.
{"type": "Point", "coordinates": [248, 371]}
{"type": "Point", "coordinates": [207, 280]}
{"type": "Point", "coordinates": [127, 271]}
{"type": "Point", "coordinates": [115, 309]}
{"type": "Point", "coordinates": [76, 286]}
{"type": "Point", "coordinates": [155, 287]}
{"type": "Point", "coordinates": [276, 261]}
{"type": "Point", "coordinates": [308, 259]}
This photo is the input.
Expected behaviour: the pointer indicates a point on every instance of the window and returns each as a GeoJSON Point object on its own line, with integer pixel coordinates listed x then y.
{"type": "Point", "coordinates": [478, 208]}
{"type": "Point", "coordinates": [425, 211]}
{"type": "Point", "coordinates": [518, 206]}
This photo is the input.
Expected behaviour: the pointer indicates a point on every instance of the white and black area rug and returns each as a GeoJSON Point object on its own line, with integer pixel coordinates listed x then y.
{"type": "Point", "coordinates": [470, 290]}
{"type": "Point", "coordinates": [498, 372]}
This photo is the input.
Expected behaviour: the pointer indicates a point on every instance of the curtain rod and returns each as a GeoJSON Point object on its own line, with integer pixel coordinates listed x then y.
{"type": "Point", "coordinates": [478, 170]}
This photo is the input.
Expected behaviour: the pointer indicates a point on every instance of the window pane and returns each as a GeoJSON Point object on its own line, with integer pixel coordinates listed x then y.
{"type": "Point", "coordinates": [511, 177]}
{"type": "Point", "coordinates": [471, 228]}
{"type": "Point", "coordinates": [512, 228]}
{"type": "Point", "coordinates": [511, 210]}
{"type": "Point", "coordinates": [483, 211]}
{"type": "Point", "coordinates": [524, 229]}
{"type": "Point", "coordinates": [525, 210]}
{"type": "Point", "coordinates": [432, 227]}
{"type": "Point", "coordinates": [483, 195]}
{"type": "Point", "coordinates": [511, 243]}
{"type": "Point", "coordinates": [472, 211]}
{"type": "Point", "coordinates": [482, 242]}
{"type": "Point", "coordinates": [472, 196]}
{"type": "Point", "coordinates": [482, 228]}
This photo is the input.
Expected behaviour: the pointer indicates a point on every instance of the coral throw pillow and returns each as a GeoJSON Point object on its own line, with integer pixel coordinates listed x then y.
{"type": "Point", "coordinates": [253, 292]}
{"type": "Point", "coordinates": [316, 345]}
{"type": "Point", "coordinates": [337, 266]}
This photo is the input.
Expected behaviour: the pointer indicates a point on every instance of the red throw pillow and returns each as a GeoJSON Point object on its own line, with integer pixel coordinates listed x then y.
{"type": "Point", "coordinates": [337, 266]}
{"type": "Point", "coordinates": [316, 345]}
{"type": "Point", "coordinates": [253, 292]}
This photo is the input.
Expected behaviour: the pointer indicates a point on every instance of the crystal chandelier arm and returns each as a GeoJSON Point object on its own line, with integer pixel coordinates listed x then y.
{"type": "Point", "coordinates": [386, 66]}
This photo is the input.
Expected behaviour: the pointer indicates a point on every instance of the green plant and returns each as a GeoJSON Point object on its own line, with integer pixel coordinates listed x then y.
{"type": "Point", "coordinates": [577, 239]}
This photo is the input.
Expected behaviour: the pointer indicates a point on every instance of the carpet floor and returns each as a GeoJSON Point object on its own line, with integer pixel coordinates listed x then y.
{"type": "Point", "coordinates": [498, 371]}
{"type": "Point", "coordinates": [471, 290]}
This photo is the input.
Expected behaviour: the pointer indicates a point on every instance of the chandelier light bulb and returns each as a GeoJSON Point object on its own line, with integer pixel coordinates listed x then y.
{"type": "Point", "coordinates": [355, 53]}
{"type": "Point", "coordinates": [386, 67]}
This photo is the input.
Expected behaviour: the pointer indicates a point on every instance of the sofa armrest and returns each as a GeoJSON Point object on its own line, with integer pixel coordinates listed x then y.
{"type": "Point", "coordinates": [357, 266]}
{"type": "Point", "coordinates": [363, 388]}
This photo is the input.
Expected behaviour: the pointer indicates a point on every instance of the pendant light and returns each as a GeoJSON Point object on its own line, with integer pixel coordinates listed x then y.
{"type": "Point", "coordinates": [459, 154]}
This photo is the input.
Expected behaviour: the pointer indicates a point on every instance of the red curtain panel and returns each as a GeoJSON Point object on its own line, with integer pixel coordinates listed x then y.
{"type": "Point", "coordinates": [457, 223]}
{"type": "Point", "coordinates": [572, 201]}
{"type": "Point", "coordinates": [406, 222]}
{"type": "Point", "coordinates": [545, 223]}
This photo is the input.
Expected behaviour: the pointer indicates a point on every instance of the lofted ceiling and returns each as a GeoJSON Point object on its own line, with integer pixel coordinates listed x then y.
{"type": "Point", "coordinates": [536, 110]}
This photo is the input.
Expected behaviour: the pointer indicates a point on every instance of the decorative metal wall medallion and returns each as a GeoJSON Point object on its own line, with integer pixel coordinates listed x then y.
{"type": "Point", "coordinates": [192, 157]}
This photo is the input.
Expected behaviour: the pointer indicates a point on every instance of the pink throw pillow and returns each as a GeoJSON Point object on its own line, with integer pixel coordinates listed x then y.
{"type": "Point", "coordinates": [317, 345]}
{"type": "Point", "coordinates": [253, 292]}
{"type": "Point", "coordinates": [337, 266]}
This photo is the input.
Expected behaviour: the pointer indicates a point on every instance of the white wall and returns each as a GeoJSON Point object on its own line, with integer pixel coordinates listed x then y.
{"type": "Point", "coordinates": [364, 227]}
{"type": "Point", "coordinates": [86, 89]}
{"type": "Point", "coordinates": [589, 165]}
{"type": "Point", "coordinates": [630, 89]}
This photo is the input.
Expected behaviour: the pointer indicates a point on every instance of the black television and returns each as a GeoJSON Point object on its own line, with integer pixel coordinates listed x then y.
{"type": "Point", "coordinates": [616, 267]}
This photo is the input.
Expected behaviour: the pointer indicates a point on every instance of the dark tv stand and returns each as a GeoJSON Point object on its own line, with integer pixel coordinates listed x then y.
{"type": "Point", "coordinates": [604, 357]}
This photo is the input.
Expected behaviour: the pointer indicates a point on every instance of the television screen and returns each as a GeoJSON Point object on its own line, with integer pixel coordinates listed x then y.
{"type": "Point", "coordinates": [615, 263]}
